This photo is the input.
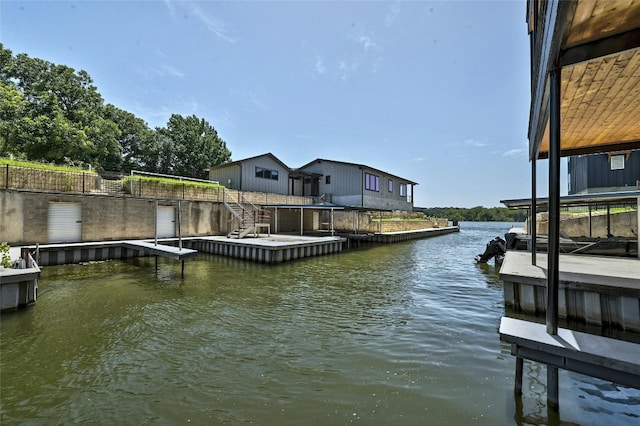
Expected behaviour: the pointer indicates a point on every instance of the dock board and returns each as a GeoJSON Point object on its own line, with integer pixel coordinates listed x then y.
{"type": "Point", "coordinates": [596, 356]}
{"type": "Point", "coordinates": [152, 249]}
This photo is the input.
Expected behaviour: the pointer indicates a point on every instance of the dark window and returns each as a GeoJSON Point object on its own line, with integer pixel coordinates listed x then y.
{"type": "Point", "coordinates": [403, 189]}
{"type": "Point", "coordinates": [371, 182]}
{"type": "Point", "coordinates": [327, 180]}
{"type": "Point", "coordinates": [266, 173]}
{"type": "Point", "coordinates": [390, 185]}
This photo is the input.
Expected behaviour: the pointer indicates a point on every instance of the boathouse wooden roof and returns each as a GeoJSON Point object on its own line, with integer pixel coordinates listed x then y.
{"type": "Point", "coordinates": [596, 44]}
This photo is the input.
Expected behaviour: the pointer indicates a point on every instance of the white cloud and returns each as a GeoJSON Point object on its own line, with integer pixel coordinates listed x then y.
{"type": "Point", "coordinates": [476, 142]}
{"type": "Point", "coordinates": [391, 15]}
{"type": "Point", "coordinates": [513, 153]}
{"type": "Point", "coordinates": [171, 71]}
{"type": "Point", "coordinates": [320, 67]}
{"type": "Point", "coordinates": [213, 24]}
{"type": "Point", "coordinates": [367, 42]}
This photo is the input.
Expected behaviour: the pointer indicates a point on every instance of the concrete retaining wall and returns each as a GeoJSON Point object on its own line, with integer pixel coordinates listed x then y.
{"type": "Point", "coordinates": [24, 219]}
{"type": "Point", "coordinates": [623, 224]}
{"type": "Point", "coordinates": [367, 222]}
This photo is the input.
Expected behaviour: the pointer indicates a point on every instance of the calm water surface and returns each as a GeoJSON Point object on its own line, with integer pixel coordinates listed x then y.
{"type": "Point", "coordinates": [395, 334]}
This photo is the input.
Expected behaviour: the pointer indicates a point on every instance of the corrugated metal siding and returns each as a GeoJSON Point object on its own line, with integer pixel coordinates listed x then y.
{"type": "Point", "coordinates": [64, 222]}
{"type": "Point", "coordinates": [252, 183]}
{"type": "Point", "coordinates": [592, 172]}
{"type": "Point", "coordinates": [347, 186]}
{"type": "Point", "coordinates": [346, 181]}
{"type": "Point", "coordinates": [227, 176]}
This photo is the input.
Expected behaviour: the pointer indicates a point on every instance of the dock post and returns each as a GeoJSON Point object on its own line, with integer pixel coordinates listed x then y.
{"type": "Point", "coordinates": [553, 398]}
{"type": "Point", "coordinates": [155, 227]}
{"type": "Point", "coordinates": [182, 273]}
{"type": "Point", "coordinates": [519, 369]}
{"type": "Point", "coordinates": [180, 232]}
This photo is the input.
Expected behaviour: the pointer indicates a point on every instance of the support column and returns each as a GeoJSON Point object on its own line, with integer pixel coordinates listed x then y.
{"type": "Point", "coordinates": [553, 397]}
{"type": "Point", "coordinates": [534, 211]}
{"type": "Point", "coordinates": [519, 371]}
{"type": "Point", "coordinates": [553, 273]}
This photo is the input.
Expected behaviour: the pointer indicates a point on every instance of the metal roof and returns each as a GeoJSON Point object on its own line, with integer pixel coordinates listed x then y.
{"type": "Point", "coordinates": [578, 199]}
{"type": "Point", "coordinates": [597, 45]}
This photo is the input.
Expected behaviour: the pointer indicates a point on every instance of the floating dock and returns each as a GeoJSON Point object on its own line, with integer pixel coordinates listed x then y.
{"type": "Point", "coordinates": [595, 289]}
{"type": "Point", "coordinates": [399, 236]}
{"type": "Point", "coordinates": [19, 287]}
{"type": "Point", "coordinates": [268, 248]}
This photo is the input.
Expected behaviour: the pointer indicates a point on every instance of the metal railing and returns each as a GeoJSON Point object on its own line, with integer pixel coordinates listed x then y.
{"type": "Point", "coordinates": [115, 184]}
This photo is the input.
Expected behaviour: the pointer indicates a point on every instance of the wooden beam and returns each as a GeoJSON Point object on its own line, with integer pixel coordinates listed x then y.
{"type": "Point", "coordinates": [599, 48]}
{"type": "Point", "coordinates": [595, 149]}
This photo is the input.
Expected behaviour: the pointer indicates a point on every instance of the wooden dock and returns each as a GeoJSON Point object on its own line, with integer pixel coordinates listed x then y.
{"type": "Point", "coordinates": [595, 289]}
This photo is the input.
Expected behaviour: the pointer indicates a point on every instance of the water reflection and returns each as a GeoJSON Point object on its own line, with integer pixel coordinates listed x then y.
{"type": "Point", "coordinates": [396, 334]}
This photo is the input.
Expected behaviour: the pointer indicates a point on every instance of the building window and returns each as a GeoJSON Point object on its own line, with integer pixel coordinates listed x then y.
{"type": "Point", "coordinates": [617, 162]}
{"type": "Point", "coordinates": [390, 185]}
{"type": "Point", "coordinates": [403, 189]}
{"type": "Point", "coordinates": [371, 182]}
{"type": "Point", "coordinates": [327, 180]}
{"type": "Point", "coordinates": [266, 173]}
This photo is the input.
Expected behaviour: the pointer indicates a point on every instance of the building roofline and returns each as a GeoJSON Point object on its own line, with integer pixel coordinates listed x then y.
{"type": "Point", "coordinates": [362, 166]}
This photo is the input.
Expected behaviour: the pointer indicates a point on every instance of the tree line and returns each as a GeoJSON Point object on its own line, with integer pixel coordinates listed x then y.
{"type": "Point", "coordinates": [476, 214]}
{"type": "Point", "coordinates": [54, 114]}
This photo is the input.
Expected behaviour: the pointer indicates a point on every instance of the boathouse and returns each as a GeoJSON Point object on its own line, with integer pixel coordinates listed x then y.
{"type": "Point", "coordinates": [612, 171]}
{"type": "Point", "coordinates": [585, 75]}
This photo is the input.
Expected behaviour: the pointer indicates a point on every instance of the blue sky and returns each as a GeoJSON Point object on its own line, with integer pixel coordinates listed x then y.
{"type": "Point", "coordinates": [435, 92]}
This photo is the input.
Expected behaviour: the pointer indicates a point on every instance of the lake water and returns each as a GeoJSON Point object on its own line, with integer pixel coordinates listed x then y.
{"type": "Point", "coordinates": [403, 334]}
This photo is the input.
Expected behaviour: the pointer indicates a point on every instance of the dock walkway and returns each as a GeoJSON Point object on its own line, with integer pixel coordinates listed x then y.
{"type": "Point", "coordinates": [152, 249]}
{"type": "Point", "coordinates": [595, 289]}
{"type": "Point", "coordinates": [596, 356]}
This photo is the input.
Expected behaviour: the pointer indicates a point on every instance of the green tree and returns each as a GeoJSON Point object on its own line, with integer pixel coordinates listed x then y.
{"type": "Point", "coordinates": [189, 145]}
{"type": "Point", "coordinates": [139, 145]}
{"type": "Point", "coordinates": [51, 112]}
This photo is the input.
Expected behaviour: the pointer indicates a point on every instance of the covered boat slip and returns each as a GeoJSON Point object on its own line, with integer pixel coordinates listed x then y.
{"type": "Point", "coordinates": [585, 98]}
{"type": "Point", "coordinates": [620, 246]}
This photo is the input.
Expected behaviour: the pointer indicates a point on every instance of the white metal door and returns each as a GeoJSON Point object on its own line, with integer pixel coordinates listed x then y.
{"type": "Point", "coordinates": [166, 220]}
{"type": "Point", "coordinates": [64, 222]}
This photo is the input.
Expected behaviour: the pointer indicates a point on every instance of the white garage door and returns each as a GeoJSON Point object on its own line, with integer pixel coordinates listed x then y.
{"type": "Point", "coordinates": [166, 216]}
{"type": "Point", "coordinates": [64, 222]}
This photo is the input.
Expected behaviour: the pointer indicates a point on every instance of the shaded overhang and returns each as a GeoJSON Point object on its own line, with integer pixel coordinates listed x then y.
{"type": "Point", "coordinates": [621, 197]}
{"type": "Point", "coordinates": [304, 206]}
{"type": "Point", "coordinates": [596, 43]}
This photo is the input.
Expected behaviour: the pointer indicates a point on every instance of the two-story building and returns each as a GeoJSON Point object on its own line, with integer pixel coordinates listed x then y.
{"type": "Point", "coordinates": [328, 181]}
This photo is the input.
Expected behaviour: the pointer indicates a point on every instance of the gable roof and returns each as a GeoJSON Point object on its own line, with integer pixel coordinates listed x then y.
{"type": "Point", "coordinates": [239, 162]}
{"type": "Point", "coordinates": [362, 166]}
